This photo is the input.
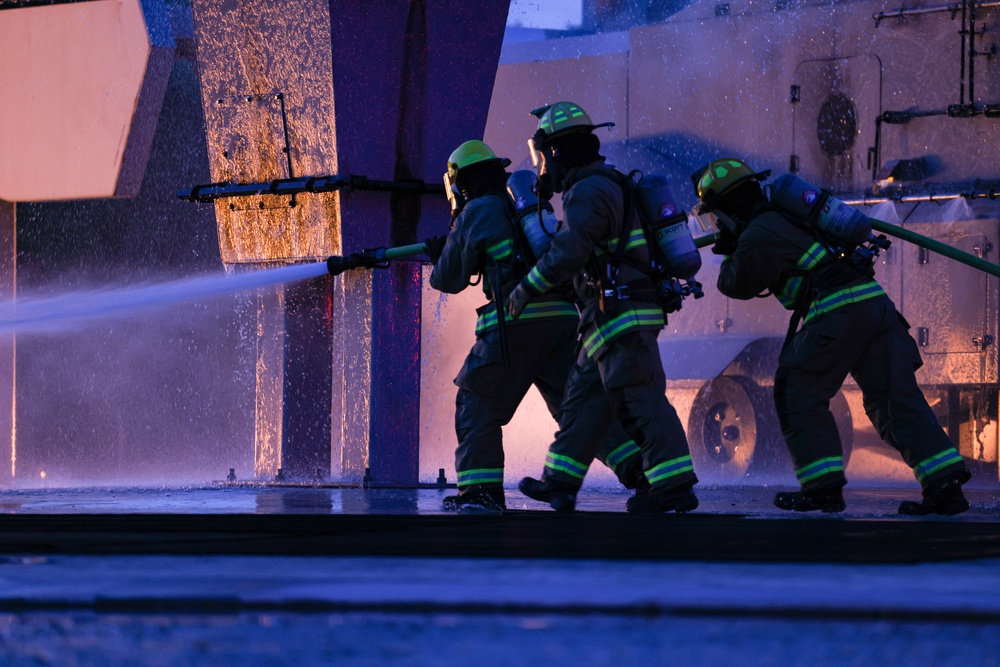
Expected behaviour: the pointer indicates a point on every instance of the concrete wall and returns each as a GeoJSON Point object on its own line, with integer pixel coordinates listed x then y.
{"type": "Point", "coordinates": [81, 89]}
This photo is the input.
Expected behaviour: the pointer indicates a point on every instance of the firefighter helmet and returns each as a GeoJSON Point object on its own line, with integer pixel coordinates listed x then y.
{"type": "Point", "coordinates": [470, 153]}
{"type": "Point", "coordinates": [721, 176]}
{"type": "Point", "coordinates": [562, 118]}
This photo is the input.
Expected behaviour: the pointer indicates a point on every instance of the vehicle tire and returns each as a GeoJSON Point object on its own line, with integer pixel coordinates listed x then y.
{"type": "Point", "coordinates": [734, 434]}
{"type": "Point", "coordinates": [732, 429]}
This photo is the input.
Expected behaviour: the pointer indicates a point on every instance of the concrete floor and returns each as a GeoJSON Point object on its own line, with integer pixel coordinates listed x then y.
{"type": "Point", "coordinates": [250, 574]}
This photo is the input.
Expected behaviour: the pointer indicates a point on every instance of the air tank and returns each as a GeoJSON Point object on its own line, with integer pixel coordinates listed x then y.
{"type": "Point", "coordinates": [822, 210]}
{"type": "Point", "coordinates": [668, 225]}
{"type": "Point", "coordinates": [538, 230]}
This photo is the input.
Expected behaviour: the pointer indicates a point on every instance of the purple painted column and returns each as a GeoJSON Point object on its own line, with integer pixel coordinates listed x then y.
{"type": "Point", "coordinates": [306, 386]}
{"type": "Point", "coordinates": [413, 85]}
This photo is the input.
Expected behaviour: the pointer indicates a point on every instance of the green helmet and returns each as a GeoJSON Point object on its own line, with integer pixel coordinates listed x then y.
{"type": "Point", "coordinates": [721, 176]}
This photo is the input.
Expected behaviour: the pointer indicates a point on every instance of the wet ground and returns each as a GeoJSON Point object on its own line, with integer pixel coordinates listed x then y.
{"type": "Point", "coordinates": [864, 501]}
{"type": "Point", "coordinates": [273, 575]}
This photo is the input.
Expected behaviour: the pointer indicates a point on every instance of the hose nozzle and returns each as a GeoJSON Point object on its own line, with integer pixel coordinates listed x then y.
{"type": "Point", "coordinates": [372, 258]}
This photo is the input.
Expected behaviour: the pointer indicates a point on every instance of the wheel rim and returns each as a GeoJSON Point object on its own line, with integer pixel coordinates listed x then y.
{"type": "Point", "coordinates": [723, 429]}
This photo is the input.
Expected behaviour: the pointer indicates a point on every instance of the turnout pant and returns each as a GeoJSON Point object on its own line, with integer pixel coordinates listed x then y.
{"type": "Point", "coordinates": [626, 383]}
{"type": "Point", "coordinates": [870, 341]}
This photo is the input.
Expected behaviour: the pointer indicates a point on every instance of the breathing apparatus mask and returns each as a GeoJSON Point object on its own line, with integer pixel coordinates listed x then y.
{"type": "Point", "coordinates": [554, 157]}
{"type": "Point", "coordinates": [545, 163]}
{"type": "Point", "coordinates": [564, 139]}
{"type": "Point", "coordinates": [728, 192]}
{"type": "Point", "coordinates": [455, 197]}
{"type": "Point", "coordinates": [714, 220]}
{"type": "Point", "coordinates": [728, 215]}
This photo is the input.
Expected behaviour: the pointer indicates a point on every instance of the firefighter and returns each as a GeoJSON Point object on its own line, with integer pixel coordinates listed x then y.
{"type": "Point", "coordinates": [602, 249]}
{"type": "Point", "coordinates": [507, 357]}
{"type": "Point", "coordinates": [849, 325]}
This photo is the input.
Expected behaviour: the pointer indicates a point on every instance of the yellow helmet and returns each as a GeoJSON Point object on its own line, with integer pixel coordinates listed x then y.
{"type": "Point", "coordinates": [721, 176]}
{"type": "Point", "coordinates": [470, 153]}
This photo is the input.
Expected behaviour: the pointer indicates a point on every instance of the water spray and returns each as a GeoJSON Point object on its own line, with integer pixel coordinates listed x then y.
{"type": "Point", "coordinates": [57, 313]}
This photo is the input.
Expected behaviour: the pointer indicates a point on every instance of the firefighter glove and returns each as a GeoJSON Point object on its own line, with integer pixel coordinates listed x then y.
{"type": "Point", "coordinates": [725, 244]}
{"type": "Point", "coordinates": [435, 246]}
{"type": "Point", "coordinates": [518, 300]}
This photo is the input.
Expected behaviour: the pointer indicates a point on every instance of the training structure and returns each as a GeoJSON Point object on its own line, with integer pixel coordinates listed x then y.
{"type": "Point", "coordinates": [372, 92]}
{"type": "Point", "coordinates": [383, 100]}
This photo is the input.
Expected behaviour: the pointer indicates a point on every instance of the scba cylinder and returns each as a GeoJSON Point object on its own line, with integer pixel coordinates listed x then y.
{"type": "Point", "coordinates": [668, 225]}
{"type": "Point", "coordinates": [539, 230]}
{"type": "Point", "coordinates": [821, 209]}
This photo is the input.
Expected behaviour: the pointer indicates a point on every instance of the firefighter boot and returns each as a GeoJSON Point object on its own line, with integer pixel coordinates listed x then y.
{"type": "Point", "coordinates": [656, 501]}
{"type": "Point", "coordinates": [560, 495]}
{"type": "Point", "coordinates": [635, 479]}
{"type": "Point", "coordinates": [942, 497]}
{"type": "Point", "coordinates": [476, 499]}
{"type": "Point", "coordinates": [808, 500]}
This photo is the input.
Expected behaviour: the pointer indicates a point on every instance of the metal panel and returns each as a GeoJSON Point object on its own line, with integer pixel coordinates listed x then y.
{"type": "Point", "coordinates": [947, 304]}
{"type": "Point", "coordinates": [269, 112]}
{"type": "Point", "coordinates": [253, 146]}
{"type": "Point", "coordinates": [834, 128]}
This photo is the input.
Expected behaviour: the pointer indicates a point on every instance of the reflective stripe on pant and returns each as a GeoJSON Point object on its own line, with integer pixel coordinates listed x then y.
{"type": "Point", "coordinates": [626, 382]}
{"type": "Point", "coordinates": [869, 341]}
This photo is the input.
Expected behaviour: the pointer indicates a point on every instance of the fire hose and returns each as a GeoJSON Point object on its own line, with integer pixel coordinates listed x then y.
{"type": "Point", "coordinates": [380, 257]}
{"type": "Point", "coordinates": [906, 235]}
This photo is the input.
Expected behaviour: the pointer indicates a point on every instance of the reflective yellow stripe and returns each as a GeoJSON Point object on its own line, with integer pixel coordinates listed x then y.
{"type": "Point", "coordinates": [533, 311]}
{"type": "Point", "coordinates": [646, 318]}
{"type": "Point", "coordinates": [537, 281]}
{"type": "Point", "coordinates": [501, 250]}
{"type": "Point", "coordinates": [843, 297]}
{"type": "Point", "coordinates": [816, 254]}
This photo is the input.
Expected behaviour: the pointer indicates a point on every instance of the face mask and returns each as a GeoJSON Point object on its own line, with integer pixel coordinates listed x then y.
{"type": "Point", "coordinates": [455, 197]}
{"type": "Point", "coordinates": [541, 159]}
{"type": "Point", "coordinates": [535, 153]}
{"type": "Point", "coordinates": [710, 219]}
